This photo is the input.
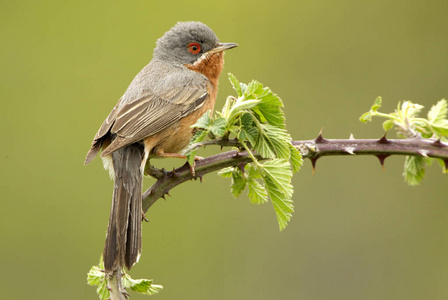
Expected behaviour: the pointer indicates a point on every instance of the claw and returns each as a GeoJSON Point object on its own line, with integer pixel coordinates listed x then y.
{"type": "Point", "coordinates": [144, 217]}
{"type": "Point", "coordinates": [192, 171]}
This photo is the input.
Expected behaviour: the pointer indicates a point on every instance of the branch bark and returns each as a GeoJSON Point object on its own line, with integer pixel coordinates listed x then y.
{"type": "Point", "coordinates": [312, 149]}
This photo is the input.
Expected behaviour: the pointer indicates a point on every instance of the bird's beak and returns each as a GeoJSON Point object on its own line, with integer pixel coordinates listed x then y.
{"type": "Point", "coordinates": [222, 47]}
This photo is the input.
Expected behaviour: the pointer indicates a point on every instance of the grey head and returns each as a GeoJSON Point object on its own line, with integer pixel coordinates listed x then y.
{"type": "Point", "coordinates": [186, 42]}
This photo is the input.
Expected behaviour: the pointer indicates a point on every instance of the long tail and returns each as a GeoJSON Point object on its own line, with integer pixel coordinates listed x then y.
{"type": "Point", "coordinates": [124, 234]}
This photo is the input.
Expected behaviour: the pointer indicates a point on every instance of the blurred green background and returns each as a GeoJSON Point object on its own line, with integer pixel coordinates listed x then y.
{"type": "Point", "coordinates": [358, 232]}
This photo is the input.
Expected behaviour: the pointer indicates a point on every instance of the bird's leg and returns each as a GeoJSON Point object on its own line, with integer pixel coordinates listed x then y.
{"type": "Point", "coordinates": [161, 153]}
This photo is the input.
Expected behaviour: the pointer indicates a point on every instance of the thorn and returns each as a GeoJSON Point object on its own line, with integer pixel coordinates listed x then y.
{"type": "Point", "coordinates": [201, 179]}
{"type": "Point", "coordinates": [350, 150]}
{"type": "Point", "coordinates": [383, 140]}
{"type": "Point", "coordinates": [320, 139]}
{"type": "Point", "coordinates": [313, 162]}
{"type": "Point", "coordinates": [438, 143]}
{"type": "Point", "coordinates": [241, 166]}
{"type": "Point", "coordinates": [174, 171]}
{"type": "Point", "coordinates": [382, 158]}
{"type": "Point", "coordinates": [168, 193]}
{"type": "Point", "coordinates": [351, 137]}
{"type": "Point", "coordinates": [423, 153]}
{"type": "Point", "coordinates": [163, 196]}
{"type": "Point", "coordinates": [445, 161]}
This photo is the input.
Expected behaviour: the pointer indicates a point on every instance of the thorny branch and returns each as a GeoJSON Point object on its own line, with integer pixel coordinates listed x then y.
{"type": "Point", "coordinates": [312, 149]}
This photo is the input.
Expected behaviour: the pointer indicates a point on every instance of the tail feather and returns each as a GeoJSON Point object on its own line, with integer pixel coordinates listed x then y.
{"type": "Point", "coordinates": [123, 241]}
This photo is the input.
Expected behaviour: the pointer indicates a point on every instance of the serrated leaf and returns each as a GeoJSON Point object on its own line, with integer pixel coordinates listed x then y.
{"type": "Point", "coordinates": [218, 127]}
{"type": "Point", "coordinates": [198, 137]}
{"type": "Point", "coordinates": [268, 98]}
{"type": "Point", "coordinates": [441, 127]}
{"type": "Point", "coordinates": [279, 139]}
{"type": "Point", "coordinates": [279, 172]}
{"type": "Point", "coordinates": [376, 104]}
{"type": "Point", "coordinates": [438, 112]}
{"type": "Point", "coordinates": [238, 182]}
{"type": "Point", "coordinates": [366, 117]}
{"type": "Point", "coordinates": [409, 109]}
{"type": "Point", "coordinates": [283, 206]}
{"type": "Point", "coordinates": [414, 169]}
{"type": "Point", "coordinates": [271, 114]}
{"type": "Point", "coordinates": [142, 286]}
{"type": "Point", "coordinates": [226, 172]}
{"type": "Point", "coordinates": [257, 193]}
{"type": "Point", "coordinates": [252, 88]}
{"type": "Point", "coordinates": [443, 166]}
{"type": "Point", "coordinates": [235, 84]}
{"type": "Point", "coordinates": [296, 159]}
{"type": "Point", "coordinates": [250, 134]}
{"type": "Point", "coordinates": [96, 277]}
{"type": "Point", "coordinates": [203, 122]}
{"type": "Point", "coordinates": [388, 125]}
{"type": "Point", "coordinates": [240, 108]}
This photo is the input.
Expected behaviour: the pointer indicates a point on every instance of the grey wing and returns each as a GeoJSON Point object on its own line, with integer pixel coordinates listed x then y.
{"type": "Point", "coordinates": [152, 114]}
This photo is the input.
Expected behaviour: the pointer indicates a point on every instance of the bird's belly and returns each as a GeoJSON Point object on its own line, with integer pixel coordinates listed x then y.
{"type": "Point", "coordinates": [177, 136]}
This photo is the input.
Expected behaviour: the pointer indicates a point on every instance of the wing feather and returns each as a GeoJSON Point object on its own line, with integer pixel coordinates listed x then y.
{"type": "Point", "coordinates": [150, 115]}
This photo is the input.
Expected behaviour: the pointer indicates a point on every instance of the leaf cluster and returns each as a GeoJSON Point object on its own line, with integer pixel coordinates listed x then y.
{"type": "Point", "coordinates": [97, 277]}
{"type": "Point", "coordinates": [406, 120]}
{"type": "Point", "coordinates": [255, 118]}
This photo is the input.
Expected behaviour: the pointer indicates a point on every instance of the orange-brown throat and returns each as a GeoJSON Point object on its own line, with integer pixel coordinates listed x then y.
{"type": "Point", "coordinates": [209, 65]}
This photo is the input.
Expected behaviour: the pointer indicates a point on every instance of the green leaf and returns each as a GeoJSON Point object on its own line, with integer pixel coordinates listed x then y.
{"type": "Point", "coordinates": [443, 165]}
{"type": "Point", "coordinates": [441, 127]}
{"type": "Point", "coordinates": [226, 172]}
{"type": "Point", "coordinates": [239, 108]}
{"type": "Point", "coordinates": [235, 84]}
{"type": "Point", "coordinates": [296, 159]}
{"type": "Point", "coordinates": [142, 286]}
{"type": "Point", "coordinates": [204, 121]}
{"type": "Point", "coordinates": [268, 98]}
{"type": "Point", "coordinates": [376, 104]}
{"type": "Point", "coordinates": [272, 114]}
{"type": "Point", "coordinates": [238, 182]}
{"type": "Point", "coordinates": [414, 169]}
{"type": "Point", "coordinates": [409, 109]}
{"type": "Point", "coordinates": [218, 127]}
{"type": "Point", "coordinates": [198, 137]}
{"type": "Point", "coordinates": [438, 112]}
{"type": "Point", "coordinates": [388, 124]}
{"type": "Point", "coordinates": [279, 139]}
{"type": "Point", "coordinates": [279, 172]}
{"type": "Point", "coordinates": [283, 205]}
{"type": "Point", "coordinates": [250, 134]}
{"type": "Point", "coordinates": [252, 88]}
{"type": "Point", "coordinates": [366, 117]}
{"type": "Point", "coordinates": [96, 277]}
{"type": "Point", "coordinates": [257, 192]}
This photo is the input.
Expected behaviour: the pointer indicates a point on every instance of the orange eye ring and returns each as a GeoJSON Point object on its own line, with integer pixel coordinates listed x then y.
{"type": "Point", "coordinates": [194, 48]}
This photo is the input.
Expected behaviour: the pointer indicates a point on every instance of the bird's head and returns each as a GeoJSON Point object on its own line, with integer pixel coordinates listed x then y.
{"type": "Point", "coordinates": [189, 43]}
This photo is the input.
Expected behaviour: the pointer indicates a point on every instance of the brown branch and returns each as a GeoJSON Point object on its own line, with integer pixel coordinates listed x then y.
{"type": "Point", "coordinates": [312, 149]}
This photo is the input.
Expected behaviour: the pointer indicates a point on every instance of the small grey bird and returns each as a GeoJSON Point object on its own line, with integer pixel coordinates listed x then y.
{"type": "Point", "coordinates": [153, 119]}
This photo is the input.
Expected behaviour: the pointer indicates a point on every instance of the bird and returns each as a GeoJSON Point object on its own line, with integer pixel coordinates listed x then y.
{"type": "Point", "coordinates": [153, 119]}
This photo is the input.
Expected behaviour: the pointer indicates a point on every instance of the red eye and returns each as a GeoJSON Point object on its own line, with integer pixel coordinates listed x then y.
{"type": "Point", "coordinates": [194, 48]}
